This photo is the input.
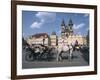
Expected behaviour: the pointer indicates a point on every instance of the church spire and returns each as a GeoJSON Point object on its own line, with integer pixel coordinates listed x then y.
{"type": "Point", "coordinates": [63, 23]}
{"type": "Point", "coordinates": [70, 23]}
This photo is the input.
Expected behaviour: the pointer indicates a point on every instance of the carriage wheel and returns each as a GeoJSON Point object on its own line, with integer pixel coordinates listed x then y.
{"type": "Point", "coordinates": [29, 56]}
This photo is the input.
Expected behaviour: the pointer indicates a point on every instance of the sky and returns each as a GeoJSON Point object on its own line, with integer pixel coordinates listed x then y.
{"type": "Point", "coordinates": [47, 22]}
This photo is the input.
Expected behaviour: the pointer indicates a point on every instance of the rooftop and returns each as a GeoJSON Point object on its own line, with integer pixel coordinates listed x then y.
{"type": "Point", "coordinates": [38, 35]}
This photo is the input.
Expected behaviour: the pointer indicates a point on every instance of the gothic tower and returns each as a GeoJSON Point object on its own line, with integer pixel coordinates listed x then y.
{"type": "Point", "coordinates": [63, 28]}
{"type": "Point", "coordinates": [70, 27]}
{"type": "Point", "coordinates": [66, 30]}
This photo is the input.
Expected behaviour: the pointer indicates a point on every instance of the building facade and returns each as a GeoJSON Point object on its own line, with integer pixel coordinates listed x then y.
{"type": "Point", "coordinates": [39, 38]}
{"type": "Point", "coordinates": [53, 39]}
{"type": "Point", "coordinates": [67, 37]}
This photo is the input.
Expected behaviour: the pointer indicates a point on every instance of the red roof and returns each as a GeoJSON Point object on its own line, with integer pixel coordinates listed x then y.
{"type": "Point", "coordinates": [38, 35]}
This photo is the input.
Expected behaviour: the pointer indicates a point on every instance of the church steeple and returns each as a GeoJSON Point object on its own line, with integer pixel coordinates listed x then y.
{"type": "Point", "coordinates": [63, 28]}
{"type": "Point", "coordinates": [70, 23]}
{"type": "Point", "coordinates": [63, 23]}
{"type": "Point", "coordinates": [67, 29]}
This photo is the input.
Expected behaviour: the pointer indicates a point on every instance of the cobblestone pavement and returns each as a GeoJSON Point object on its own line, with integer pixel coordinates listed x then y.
{"type": "Point", "coordinates": [77, 60]}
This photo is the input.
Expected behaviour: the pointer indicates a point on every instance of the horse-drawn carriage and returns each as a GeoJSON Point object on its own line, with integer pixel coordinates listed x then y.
{"type": "Point", "coordinates": [38, 52]}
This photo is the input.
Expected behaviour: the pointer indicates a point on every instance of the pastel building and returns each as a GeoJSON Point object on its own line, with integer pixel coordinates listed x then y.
{"type": "Point", "coordinates": [39, 38]}
{"type": "Point", "coordinates": [53, 39]}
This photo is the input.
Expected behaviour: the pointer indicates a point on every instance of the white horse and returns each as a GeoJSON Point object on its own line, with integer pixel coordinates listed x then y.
{"type": "Point", "coordinates": [65, 49]}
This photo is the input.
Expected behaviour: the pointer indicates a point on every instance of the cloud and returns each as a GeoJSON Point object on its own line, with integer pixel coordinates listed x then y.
{"type": "Point", "coordinates": [86, 15]}
{"type": "Point", "coordinates": [36, 24]}
{"type": "Point", "coordinates": [44, 17]}
{"type": "Point", "coordinates": [79, 26]}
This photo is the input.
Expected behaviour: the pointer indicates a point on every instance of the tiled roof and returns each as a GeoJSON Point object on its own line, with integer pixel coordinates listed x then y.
{"type": "Point", "coordinates": [38, 35]}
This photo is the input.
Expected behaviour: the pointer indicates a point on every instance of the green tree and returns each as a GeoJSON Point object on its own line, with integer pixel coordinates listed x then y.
{"type": "Point", "coordinates": [87, 38]}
